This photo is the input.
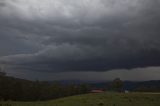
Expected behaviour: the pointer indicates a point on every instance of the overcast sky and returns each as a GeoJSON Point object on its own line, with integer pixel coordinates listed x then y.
{"type": "Point", "coordinates": [80, 39]}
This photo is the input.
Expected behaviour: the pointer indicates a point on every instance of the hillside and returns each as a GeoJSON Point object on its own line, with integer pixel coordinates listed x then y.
{"type": "Point", "coordinates": [103, 99]}
{"type": "Point", "coordinates": [15, 89]}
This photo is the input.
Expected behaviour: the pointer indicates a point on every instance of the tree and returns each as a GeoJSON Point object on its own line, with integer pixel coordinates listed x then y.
{"type": "Point", "coordinates": [1, 72]}
{"type": "Point", "coordinates": [117, 85]}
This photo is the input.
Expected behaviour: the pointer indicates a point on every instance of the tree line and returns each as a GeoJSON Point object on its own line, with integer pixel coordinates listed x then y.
{"type": "Point", "coordinates": [24, 90]}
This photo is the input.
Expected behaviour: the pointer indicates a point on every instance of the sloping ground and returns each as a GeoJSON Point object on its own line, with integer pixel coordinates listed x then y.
{"type": "Point", "coordinates": [103, 99]}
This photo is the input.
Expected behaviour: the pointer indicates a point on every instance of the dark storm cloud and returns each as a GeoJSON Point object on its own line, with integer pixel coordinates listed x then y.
{"type": "Point", "coordinates": [87, 35]}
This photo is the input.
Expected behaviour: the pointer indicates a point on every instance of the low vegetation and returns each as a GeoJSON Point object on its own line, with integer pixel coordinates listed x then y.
{"type": "Point", "coordinates": [101, 99]}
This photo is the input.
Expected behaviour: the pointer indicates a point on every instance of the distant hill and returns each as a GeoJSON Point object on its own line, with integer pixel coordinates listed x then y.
{"type": "Point", "coordinates": [128, 85]}
{"type": "Point", "coordinates": [153, 85]}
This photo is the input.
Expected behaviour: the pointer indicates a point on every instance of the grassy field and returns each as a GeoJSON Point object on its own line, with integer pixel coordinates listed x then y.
{"type": "Point", "coordinates": [102, 99]}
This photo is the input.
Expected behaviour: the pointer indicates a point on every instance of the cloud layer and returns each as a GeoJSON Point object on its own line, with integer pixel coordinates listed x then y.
{"type": "Point", "coordinates": [79, 35]}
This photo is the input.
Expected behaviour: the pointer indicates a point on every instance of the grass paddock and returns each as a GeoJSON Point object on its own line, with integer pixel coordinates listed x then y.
{"type": "Point", "coordinates": [101, 99]}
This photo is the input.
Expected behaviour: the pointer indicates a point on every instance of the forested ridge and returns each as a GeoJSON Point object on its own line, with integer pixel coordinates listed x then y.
{"type": "Point", "coordinates": [24, 90]}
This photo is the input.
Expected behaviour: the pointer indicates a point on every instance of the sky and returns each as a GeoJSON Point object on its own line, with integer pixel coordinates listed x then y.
{"type": "Point", "coordinates": [80, 39]}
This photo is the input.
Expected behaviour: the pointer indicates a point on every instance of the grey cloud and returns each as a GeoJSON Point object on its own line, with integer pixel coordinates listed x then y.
{"type": "Point", "coordinates": [2, 4]}
{"type": "Point", "coordinates": [80, 35]}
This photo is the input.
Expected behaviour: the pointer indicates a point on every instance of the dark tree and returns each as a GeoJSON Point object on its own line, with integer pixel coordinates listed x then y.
{"type": "Point", "coordinates": [117, 85]}
{"type": "Point", "coordinates": [1, 72]}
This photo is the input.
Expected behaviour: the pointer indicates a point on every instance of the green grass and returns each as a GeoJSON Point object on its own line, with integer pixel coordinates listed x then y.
{"type": "Point", "coordinates": [103, 99]}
